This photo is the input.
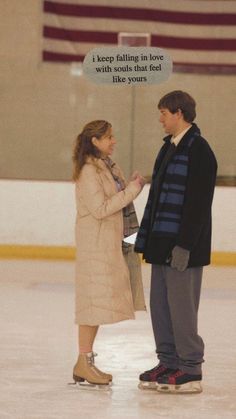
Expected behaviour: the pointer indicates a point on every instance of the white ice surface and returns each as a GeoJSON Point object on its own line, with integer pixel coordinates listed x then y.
{"type": "Point", "coordinates": [38, 349]}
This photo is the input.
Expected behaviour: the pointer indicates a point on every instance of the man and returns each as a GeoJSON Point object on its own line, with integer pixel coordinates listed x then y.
{"type": "Point", "coordinates": [175, 237]}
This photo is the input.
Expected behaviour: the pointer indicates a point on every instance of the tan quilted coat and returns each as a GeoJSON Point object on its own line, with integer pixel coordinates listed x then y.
{"type": "Point", "coordinates": [103, 280]}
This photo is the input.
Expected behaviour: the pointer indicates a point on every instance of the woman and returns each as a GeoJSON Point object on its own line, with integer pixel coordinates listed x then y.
{"type": "Point", "coordinates": [108, 279]}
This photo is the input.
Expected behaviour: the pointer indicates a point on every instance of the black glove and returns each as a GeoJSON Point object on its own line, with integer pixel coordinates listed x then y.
{"type": "Point", "coordinates": [180, 258]}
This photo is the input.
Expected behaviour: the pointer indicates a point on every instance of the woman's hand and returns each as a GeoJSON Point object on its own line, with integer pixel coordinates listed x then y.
{"type": "Point", "coordinates": [134, 175]}
{"type": "Point", "coordinates": [139, 181]}
{"type": "Point", "coordinates": [139, 178]}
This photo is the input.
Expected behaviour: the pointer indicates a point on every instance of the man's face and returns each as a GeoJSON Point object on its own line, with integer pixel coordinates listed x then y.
{"type": "Point", "coordinates": [169, 121]}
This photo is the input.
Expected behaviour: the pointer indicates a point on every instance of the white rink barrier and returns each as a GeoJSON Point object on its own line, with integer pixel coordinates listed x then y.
{"type": "Point", "coordinates": [43, 213]}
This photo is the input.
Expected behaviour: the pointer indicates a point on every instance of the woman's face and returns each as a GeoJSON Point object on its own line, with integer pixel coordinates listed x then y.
{"type": "Point", "coordinates": [106, 143]}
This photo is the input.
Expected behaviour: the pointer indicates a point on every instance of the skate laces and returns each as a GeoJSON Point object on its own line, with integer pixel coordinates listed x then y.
{"type": "Point", "coordinates": [156, 370]}
{"type": "Point", "coordinates": [178, 373]}
{"type": "Point", "coordinates": [91, 357]}
{"type": "Point", "coordinates": [160, 368]}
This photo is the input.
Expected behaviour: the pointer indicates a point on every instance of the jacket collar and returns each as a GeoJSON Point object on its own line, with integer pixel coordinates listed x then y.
{"type": "Point", "coordinates": [193, 131]}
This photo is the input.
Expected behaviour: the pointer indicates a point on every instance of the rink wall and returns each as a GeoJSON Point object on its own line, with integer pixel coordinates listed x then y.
{"type": "Point", "coordinates": [37, 220]}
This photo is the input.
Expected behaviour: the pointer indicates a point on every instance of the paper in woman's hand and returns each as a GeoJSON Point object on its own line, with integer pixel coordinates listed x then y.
{"type": "Point", "coordinates": [130, 239]}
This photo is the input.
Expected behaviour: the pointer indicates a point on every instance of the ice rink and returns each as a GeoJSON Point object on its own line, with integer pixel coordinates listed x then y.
{"type": "Point", "coordinates": [39, 348]}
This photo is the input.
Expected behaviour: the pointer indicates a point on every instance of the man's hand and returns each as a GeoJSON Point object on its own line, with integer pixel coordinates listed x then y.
{"type": "Point", "coordinates": [180, 258]}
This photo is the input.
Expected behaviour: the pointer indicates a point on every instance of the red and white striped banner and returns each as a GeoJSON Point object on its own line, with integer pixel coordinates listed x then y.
{"type": "Point", "coordinates": [200, 35]}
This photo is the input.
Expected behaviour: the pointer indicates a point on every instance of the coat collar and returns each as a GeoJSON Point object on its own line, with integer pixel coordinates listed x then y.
{"type": "Point", "coordinates": [101, 167]}
{"type": "Point", "coordinates": [192, 132]}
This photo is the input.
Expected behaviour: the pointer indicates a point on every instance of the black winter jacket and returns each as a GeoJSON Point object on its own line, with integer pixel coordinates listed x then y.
{"type": "Point", "coordinates": [195, 227]}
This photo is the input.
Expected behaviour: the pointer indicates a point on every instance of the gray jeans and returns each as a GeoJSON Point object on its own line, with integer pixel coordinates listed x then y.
{"type": "Point", "coordinates": [174, 303]}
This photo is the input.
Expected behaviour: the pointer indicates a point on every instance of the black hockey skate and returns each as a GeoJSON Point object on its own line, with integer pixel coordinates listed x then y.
{"type": "Point", "coordinates": [179, 382]}
{"type": "Point", "coordinates": [148, 379]}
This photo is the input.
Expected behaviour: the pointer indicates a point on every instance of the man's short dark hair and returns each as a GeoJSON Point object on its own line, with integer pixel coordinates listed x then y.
{"type": "Point", "coordinates": [178, 100]}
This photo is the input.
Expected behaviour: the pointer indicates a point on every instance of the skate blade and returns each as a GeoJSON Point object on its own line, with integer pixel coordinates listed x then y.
{"type": "Point", "coordinates": [188, 388]}
{"type": "Point", "coordinates": [94, 387]}
{"type": "Point", "coordinates": [90, 386]}
{"type": "Point", "coordinates": [146, 385]}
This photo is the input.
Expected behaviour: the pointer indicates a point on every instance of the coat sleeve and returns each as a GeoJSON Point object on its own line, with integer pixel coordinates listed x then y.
{"type": "Point", "coordinates": [92, 191]}
{"type": "Point", "coordinates": [198, 195]}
